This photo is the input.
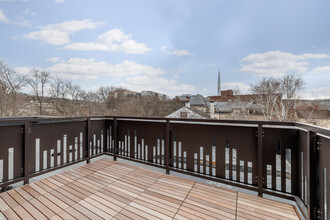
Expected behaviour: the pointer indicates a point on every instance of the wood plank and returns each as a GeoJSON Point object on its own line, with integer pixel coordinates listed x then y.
{"type": "Point", "coordinates": [37, 188]}
{"type": "Point", "coordinates": [76, 214]}
{"type": "Point", "coordinates": [56, 217]}
{"type": "Point", "coordinates": [210, 209]}
{"type": "Point", "coordinates": [67, 195]}
{"type": "Point", "coordinates": [105, 207]}
{"type": "Point", "coordinates": [204, 213]}
{"type": "Point", "coordinates": [120, 216]}
{"type": "Point", "coordinates": [140, 213]}
{"type": "Point", "coordinates": [22, 213]}
{"type": "Point", "coordinates": [86, 212]}
{"type": "Point", "coordinates": [24, 194]}
{"type": "Point", "coordinates": [113, 199]}
{"type": "Point", "coordinates": [51, 205]}
{"type": "Point", "coordinates": [17, 197]}
{"type": "Point", "coordinates": [10, 214]}
{"type": "Point", "coordinates": [43, 186]}
{"type": "Point", "coordinates": [125, 214]}
{"type": "Point", "coordinates": [57, 201]}
{"type": "Point", "coordinates": [3, 205]}
{"type": "Point", "coordinates": [42, 208]}
{"type": "Point", "coordinates": [266, 209]}
{"type": "Point", "coordinates": [65, 215]}
{"type": "Point", "coordinates": [33, 211]}
{"type": "Point", "coordinates": [31, 191]}
{"type": "Point", "coordinates": [63, 198]}
{"type": "Point", "coordinates": [2, 216]}
{"type": "Point", "coordinates": [146, 208]}
{"type": "Point", "coordinates": [95, 209]}
{"type": "Point", "coordinates": [49, 184]}
{"type": "Point", "coordinates": [8, 199]}
{"type": "Point", "coordinates": [150, 200]}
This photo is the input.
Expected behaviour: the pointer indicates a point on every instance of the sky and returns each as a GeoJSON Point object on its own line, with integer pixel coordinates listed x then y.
{"type": "Point", "coordinates": [172, 46]}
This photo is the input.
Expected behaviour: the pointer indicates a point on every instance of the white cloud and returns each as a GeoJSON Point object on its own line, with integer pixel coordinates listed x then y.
{"type": "Point", "coordinates": [59, 1]}
{"type": "Point", "coordinates": [53, 59]}
{"type": "Point", "coordinates": [27, 11]}
{"type": "Point", "coordinates": [23, 70]}
{"type": "Point", "coordinates": [242, 87]}
{"type": "Point", "coordinates": [80, 68]}
{"type": "Point", "coordinates": [7, 0]}
{"type": "Point", "coordinates": [317, 93]}
{"type": "Point", "coordinates": [181, 53]}
{"type": "Point", "coordinates": [169, 87]}
{"type": "Point", "coordinates": [3, 17]}
{"type": "Point", "coordinates": [163, 49]}
{"type": "Point", "coordinates": [59, 34]}
{"type": "Point", "coordinates": [19, 21]}
{"type": "Point", "coordinates": [128, 74]}
{"type": "Point", "coordinates": [277, 63]}
{"type": "Point", "coordinates": [321, 69]}
{"type": "Point", "coordinates": [114, 40]}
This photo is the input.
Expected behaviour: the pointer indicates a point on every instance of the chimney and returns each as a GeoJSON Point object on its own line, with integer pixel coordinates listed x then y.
{"type": "Point", "coordinates": [187, 104]}
{"type": "Point", "coordinates": [212, 109]}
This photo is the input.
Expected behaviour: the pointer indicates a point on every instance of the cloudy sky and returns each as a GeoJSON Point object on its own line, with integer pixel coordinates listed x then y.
{"type": "Point", "coordinates": [172, 46]}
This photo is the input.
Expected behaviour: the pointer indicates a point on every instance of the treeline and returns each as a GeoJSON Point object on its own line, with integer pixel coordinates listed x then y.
{"type": "Point", "coordinates": [51, 95]}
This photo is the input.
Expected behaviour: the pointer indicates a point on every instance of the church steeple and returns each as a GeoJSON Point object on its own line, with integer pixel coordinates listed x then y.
{"type": "Point", "coordinates": [219, 84]}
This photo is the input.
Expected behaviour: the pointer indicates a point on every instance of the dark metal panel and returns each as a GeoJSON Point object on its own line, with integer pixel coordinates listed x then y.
{"type": "Point", "coordinates": [96, 127]}
{"type": "Point", "coordinates": [12, 137]}
{"type": "Point", "coordinates": [303, 164]}
{"type": "Point", "coordinates": [150, 132]}
{"type": "Point", "coordinates": [49, 134]}
{"type": "Point", "coordinates": [193, 136]}
{"type": "Point", "coordinates": [276, 140]}
{"type": "Point", "coordinates": [324, 175]}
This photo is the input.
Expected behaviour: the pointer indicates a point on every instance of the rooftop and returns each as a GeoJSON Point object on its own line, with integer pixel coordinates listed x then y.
{"type": "Point", "coordinates": [107, 189]}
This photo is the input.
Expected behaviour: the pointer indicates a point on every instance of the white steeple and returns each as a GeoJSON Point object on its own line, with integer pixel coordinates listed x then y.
{"type": "Point", "coordinates": [219, 84]}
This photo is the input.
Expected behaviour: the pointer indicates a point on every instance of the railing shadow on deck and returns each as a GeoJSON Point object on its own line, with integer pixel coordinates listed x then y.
{"type": "Point", "coordinates": [283, 159]}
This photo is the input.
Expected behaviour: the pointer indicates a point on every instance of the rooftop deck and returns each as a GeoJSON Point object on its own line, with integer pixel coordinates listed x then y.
{"type": "Point", "coordinates": [107, 189]}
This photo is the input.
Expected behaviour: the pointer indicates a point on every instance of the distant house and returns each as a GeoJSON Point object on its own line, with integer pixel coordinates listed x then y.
{"type": "Point", "coordinates": [188, 112]}
{"type": "Point", "coordinates": [156, 94]}
{"type": "Point", "coordinates": [236, 107]}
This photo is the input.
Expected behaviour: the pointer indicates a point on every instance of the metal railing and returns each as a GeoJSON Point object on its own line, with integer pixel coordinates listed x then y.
{"type": "Point", "coordinates": [284, 159]}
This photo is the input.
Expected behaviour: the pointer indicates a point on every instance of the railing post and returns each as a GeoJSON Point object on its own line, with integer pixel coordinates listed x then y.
{"type": "Point", "coordinates": [313, 177]}
{"type": "Point", "coordinates": [88, 134]}
{"type": "Point", "coordinates": [167, 145]}
{"type": "Point", "coordinates": [260, 159]}
{"type": "Point", "coordinates": [115, 139]}
{"type": "Point", "coordinates": [26, 151]}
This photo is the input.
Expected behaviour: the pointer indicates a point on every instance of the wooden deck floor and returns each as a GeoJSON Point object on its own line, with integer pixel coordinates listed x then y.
{"type": "Point", "coordinates": [112, 190]}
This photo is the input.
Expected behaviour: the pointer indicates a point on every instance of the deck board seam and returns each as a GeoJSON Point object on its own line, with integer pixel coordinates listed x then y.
{"type": "Point", "coordinates": [139, 193]}
{"type": "Point", "coordinates": [184, 200]}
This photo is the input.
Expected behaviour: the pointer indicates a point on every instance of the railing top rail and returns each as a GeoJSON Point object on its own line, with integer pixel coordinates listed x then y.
{"type": "Point", "coordinates": [23, 120]}
{"type": "Point", "coordinates": [314, 128]}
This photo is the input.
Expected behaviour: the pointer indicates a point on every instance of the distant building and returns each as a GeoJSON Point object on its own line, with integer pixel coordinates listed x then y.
{"type": "Point", "coordinates": [188, 112]}
{"type": "Point", "coordinates": [229, 104]}
{"type": "Point", "coordinates": [122, 92]}
{"type": "Point", "coordinates": [152, 93]}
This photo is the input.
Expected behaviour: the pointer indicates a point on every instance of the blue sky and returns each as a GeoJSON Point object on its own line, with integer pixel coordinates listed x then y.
{"type": "Point", "coordinates": [171, 47]}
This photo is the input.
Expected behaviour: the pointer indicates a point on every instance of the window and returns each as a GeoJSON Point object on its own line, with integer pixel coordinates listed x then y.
{"type": "Point", "coordinates": [183, 115]}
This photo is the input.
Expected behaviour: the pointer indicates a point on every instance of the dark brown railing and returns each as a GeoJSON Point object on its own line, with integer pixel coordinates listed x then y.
{"type": "Point", "coordinates": [283, 159]}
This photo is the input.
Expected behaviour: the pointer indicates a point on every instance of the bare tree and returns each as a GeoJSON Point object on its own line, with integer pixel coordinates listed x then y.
{"type": "Point", "coordinates": [38, 80]}
{"type": "Point", "coordinates": [269, 94]}
{"type": "Point", "coordinates": [291, 86]}
{"type": "Point", "coordinates": [58, 92]}
{"type": "Point", "coordinates": [74, 93]}
{"type": "Point", "coordinates": [11, 83]}
{"type": "Point", "coordinates": [268, 97]}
